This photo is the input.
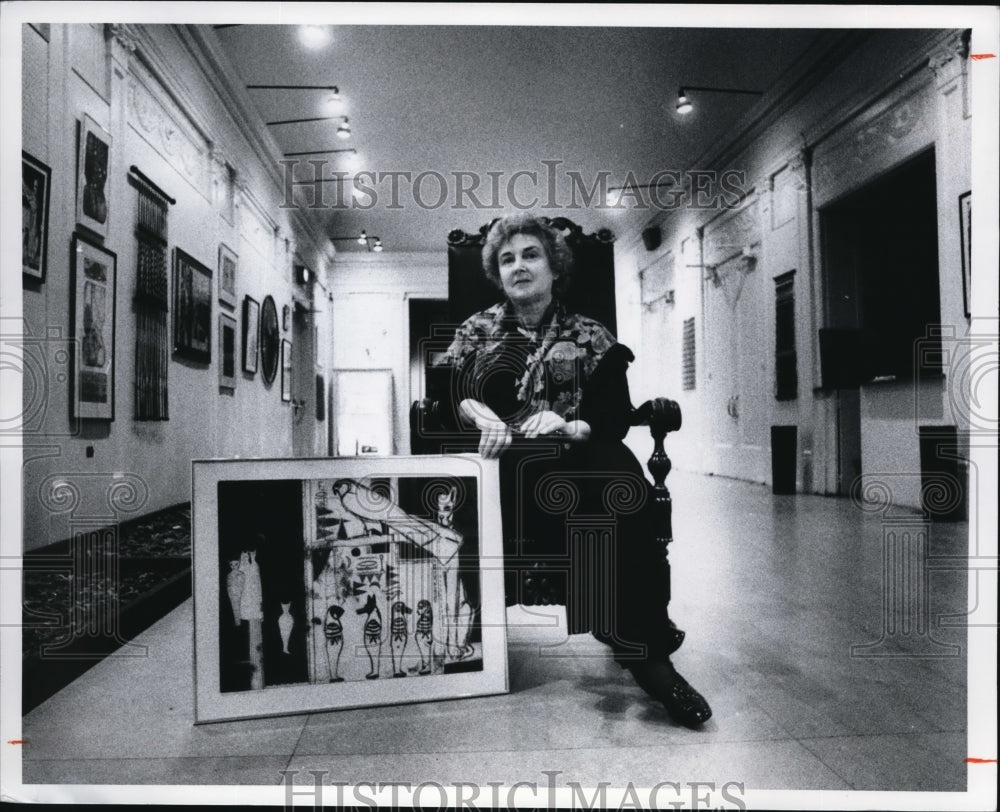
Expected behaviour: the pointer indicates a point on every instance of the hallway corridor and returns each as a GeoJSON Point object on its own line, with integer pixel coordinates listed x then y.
{"type": "Point", "coordinates": [773, 592]}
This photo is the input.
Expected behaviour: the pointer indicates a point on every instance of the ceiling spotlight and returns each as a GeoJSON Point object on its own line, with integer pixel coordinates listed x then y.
{"type": "Point", "coordinates": [314, 36]}
{"type": "Point", "coordinates": [684, 105]}
{"type": "Point", "coordinates": [344, 129]}
{"type": "Point", "coordinates": [363, 238]}
{"type": "Point", "coordinates": [334, 104]}
{"type": "Point", "coordinates": [377, 246]}
{"type": "Point", "coordinates": [353, 161]}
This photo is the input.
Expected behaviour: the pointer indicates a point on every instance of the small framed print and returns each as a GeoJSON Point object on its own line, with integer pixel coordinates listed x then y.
{"type": "Point", "coordinates": [36, 183]}
{"type": "Point", "coordinates": [192, 308]}
{"type": "Point", "coordinates": [227, 351]}
{"type": "Point", "coordinates": [251, 333]}
{"type": "Point", "coordinates": [227, 275]}
{"type": "Point", "coordinates": [965, 223]}
{"type": "Point", "coordinates": [286, 370]}
{"type": "Point", "coordinates": [324, 584]}
{"type": "Point", "coordinates": [94, 282]}
{"type": "Point", "coordinates": [93, 164]}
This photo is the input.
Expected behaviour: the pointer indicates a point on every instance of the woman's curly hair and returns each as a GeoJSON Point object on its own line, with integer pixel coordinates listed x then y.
{"type": "Point", "coordinates": [558, 253]}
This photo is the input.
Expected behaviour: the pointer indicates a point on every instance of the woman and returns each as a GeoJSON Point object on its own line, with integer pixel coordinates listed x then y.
{"type": "Point", "coordinates": [547, 391]}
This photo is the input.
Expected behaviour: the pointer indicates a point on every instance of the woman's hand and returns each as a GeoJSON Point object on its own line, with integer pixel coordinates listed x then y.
{"type": "Point", "coordinates": [495, 435]}
{"type": "Point", "coordinates": [549, 423]}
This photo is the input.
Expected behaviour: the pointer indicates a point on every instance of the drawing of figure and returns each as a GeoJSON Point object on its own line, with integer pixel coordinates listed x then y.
{"type": "Point", "coordinates": [424, 634]}
{"type": "Point", "coordinates": [372, 634]}
{"type": "Point", "coordinates": [446, 507]}
{"type": "Point", "coordinates": [333, 630]}
{"type": "Point", "coordinates": [398, 636]}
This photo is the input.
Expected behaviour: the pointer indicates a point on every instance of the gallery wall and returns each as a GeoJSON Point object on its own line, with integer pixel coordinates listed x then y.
{"type": "Point", "coordinates": [160, 103]}
{"type": "Point", "coordinates": [846, 116]}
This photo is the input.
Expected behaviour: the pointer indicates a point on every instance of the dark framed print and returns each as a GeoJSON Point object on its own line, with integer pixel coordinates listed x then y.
{"type": "Point", "coordinates": [323, 584]}
{"type": "Point", "coordinates": [93, 163]}
{"type": "Point", "coordinates": [965, 224]}
{"type": "Point", "coordinates": [192, 308]}
{"type": "Point", "coordinates": [36, 183]}
{"type": "Point", "coordinates": [286, 370]}
{"type": "Point", "coordinates": [269, 340]}
{"type": "Point", "coordinates": [227, 275]}
{"type": "Point", "coordinates": [251, 333]}
{"type": "Point", "coordinates": [227, 351]}
{"type": "Point", "coordinates": [94, 283]}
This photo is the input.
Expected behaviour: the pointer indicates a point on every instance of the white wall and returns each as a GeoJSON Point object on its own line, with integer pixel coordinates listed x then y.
{"type": "Point", "coordinates": [833, 127]}
{"type": "Point", "coordinates": [371, 294]}
{"type": "Point", "coordinates": [151, 90]}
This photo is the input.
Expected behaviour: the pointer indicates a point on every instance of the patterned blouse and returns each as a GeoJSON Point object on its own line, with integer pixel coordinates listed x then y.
{"type": "Point", "coordinates": [518, 372]}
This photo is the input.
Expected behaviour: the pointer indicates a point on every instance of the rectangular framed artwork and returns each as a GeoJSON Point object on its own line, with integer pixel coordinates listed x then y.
{"type": "Point", "coordinates": [286, 370]}
{"type": "Point", "coordinates": [95, 271]}
{"type": "Point", "coordinates": [251, 333]}
{"type": "Point", "coordinates": [192, 308]}
{"type": "Point", "coordinates": [227, 275]}
{"type": "Point", "coordinates": [322, 584]}
{"type": "Point", "coordinates": [227, 351]}
{"type": "Point", "coordinates": [93, 165]}
{"type": "Point", "coordinates": [36, 183]}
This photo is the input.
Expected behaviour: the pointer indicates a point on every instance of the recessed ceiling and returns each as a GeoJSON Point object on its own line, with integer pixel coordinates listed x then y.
{"type": "Point", "coordinates": [472, 106]}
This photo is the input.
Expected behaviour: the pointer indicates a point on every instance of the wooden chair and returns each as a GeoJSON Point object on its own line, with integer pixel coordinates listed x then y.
{"type": "Point", "coordinates": [592, 294]}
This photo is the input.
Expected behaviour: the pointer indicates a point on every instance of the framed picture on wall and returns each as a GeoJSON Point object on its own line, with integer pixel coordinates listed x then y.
{"type": "Point", "coordinates": [269, 346]}
{"type": "Point", "coordinates": [227, 275]}
{"type": "Point", "coordinates": [323, 584]}
{"type": "Point", "coordinates": [286, 370]}
{"type": "Point", "coordinates": [251, 333]}
{"type": "Point", "coordinates": [227, 351]}
{"type": "Point", "coordinates": [94, 280]}
{"type": "Point", "coordinates": [36, 179]}
{"type": "Point", "coordinates": [93, 164]}
{"type": "Point", "coordinates": [965, 223]}
{"type": "Point", "coordinates": [192, 308]}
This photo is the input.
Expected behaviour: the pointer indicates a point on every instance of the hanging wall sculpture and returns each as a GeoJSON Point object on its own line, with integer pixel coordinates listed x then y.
{"type": "Point", "coordinates": [341, 583]}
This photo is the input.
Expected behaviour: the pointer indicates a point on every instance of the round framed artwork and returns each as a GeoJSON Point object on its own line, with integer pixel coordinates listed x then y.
{"type": "Point", "coordinates": [269, 340]}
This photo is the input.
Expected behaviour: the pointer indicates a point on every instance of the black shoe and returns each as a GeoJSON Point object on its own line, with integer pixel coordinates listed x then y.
{"type": "Point", "coordinates": [660, 680]}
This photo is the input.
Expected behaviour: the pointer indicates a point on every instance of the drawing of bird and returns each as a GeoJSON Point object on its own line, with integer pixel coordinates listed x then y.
{"type": "Point", "coordinates": [423, 635]}
{"type": "Point", "coordinates": [372, 634]}
{"type": "Point", "coordinates": [398, 636]}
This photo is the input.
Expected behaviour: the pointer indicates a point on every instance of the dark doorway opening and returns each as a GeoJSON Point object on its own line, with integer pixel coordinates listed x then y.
{"type": "Point", "coordinates": [880, 261]}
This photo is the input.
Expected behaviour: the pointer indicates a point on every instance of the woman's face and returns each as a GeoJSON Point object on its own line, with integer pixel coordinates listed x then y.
{"type": "Point", "coordinates": [524, 270]}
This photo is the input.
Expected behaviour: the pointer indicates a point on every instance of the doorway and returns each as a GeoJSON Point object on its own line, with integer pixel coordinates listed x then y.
{"type": "Point", "coordinates": [880, 263]}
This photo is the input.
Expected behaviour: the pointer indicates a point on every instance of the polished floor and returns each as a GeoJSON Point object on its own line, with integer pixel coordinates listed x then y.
{"type": "Point", "coordinates": [781, 597]}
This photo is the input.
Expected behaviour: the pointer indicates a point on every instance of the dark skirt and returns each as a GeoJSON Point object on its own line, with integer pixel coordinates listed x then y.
{"type": "Point", "coordinates": [579, 530]}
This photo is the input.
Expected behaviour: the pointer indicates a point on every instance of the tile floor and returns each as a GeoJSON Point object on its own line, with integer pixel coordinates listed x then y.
{"type": "Point", "coordinates": [773, 591]}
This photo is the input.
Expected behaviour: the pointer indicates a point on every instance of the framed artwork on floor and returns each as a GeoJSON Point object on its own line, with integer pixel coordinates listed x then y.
{"type": "Point", "coordinates": [227, 351]}
{"type": "Point", "coordinates": [192, 308]}
{"type": "Point", "coordinates": [36, 183]}
{"type": "Point", "coordinates": [286, 370]}
{"type": "Point", "coordinates": [95, 272]}
{"type": "Point", "coordinates": [227, 275]}
{"type": "Point", "coordinates": [251, 333]}
{"type": "Point", "coordinates": [93, 164]}
{"type": "Point", "coordinates": [323, 584]}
